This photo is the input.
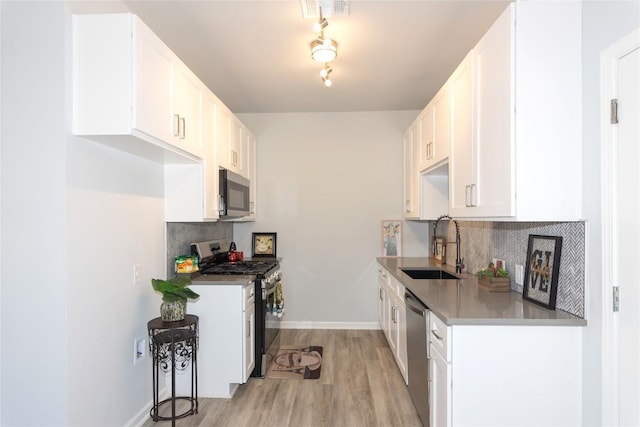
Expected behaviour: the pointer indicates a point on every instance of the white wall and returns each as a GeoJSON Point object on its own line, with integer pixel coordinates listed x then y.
{"type": "Point", "coordinates": [76, 216]}
{"type": "Point", "coordinates": [34, 287]}
{"type": "Point", "coordinates": [325, 181]}
{"type": "Point", "coordinates": [603, 22]}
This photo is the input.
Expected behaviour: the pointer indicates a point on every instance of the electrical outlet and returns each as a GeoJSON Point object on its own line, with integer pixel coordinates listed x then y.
{"type": "Point", "coordinates": [137, 273]}
{"type": "Point", "coordinates": [519, 274]}
{"type": "Point", "coordinates": [139, 349]}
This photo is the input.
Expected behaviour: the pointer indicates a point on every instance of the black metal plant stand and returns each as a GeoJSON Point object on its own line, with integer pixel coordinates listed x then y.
{"type": "Point", "coordinates": [174, 346]}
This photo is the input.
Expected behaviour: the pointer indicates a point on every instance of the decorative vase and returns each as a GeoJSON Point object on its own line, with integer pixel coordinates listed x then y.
{"type": "Point", "coordinates": [173, 311]}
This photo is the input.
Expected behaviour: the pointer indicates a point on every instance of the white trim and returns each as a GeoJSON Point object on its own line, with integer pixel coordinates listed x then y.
{"type": "Point", "coordinates": [609, 139]}
{"type": "Point", "coordinates": [329, 325]}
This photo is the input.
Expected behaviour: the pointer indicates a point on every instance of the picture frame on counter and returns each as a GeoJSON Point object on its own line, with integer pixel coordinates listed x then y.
{"type": "Point", "coordinates": [392, 238]}
{"type": "Point", "coordinates": [264, 245]}
{"type": "Point", "coordinates": [542, 270]}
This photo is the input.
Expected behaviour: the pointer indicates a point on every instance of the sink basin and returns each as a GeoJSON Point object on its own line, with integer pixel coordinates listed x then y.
{"type": "Point", "coordinates": [421, 273]}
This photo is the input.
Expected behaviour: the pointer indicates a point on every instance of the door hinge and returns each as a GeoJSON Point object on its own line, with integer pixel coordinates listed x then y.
{"type": "Point", "coordinates": [616, 298]}
{"type": "Point", "coordinates": [614, 111]}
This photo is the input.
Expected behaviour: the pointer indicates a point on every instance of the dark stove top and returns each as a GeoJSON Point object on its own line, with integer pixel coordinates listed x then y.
{"type": "Point", "coordinates": [241, 267]}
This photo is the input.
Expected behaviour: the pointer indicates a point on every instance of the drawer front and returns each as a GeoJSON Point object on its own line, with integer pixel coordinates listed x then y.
{"type": "Point", "coordinates": [440, 336]}
{"type": "Point", "coordinates": [384, 277]}
{"type": "Point", "coordinates": [397, 289]}
{"type": "Point", "coordinates": [248, 295]}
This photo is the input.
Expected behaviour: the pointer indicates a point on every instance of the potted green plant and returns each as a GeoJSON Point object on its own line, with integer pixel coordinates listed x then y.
{"type": "Point", "coordinates": [175, 293]}
{"type": "Point", "coordinates": [494, 279]}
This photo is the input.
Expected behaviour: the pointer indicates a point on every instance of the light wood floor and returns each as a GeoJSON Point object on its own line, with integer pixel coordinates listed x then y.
{"type": "Point", "coordinates": [360, 385]}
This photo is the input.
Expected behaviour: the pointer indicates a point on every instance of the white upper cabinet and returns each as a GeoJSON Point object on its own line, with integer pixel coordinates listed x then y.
{"type": "Point", "coordinates": [522, 160]}
{"type": "Point", "coordinates": [411, 189]}
{"type": "Point", "coordinates": [435, 130]}
{"type": "Point", "coordinates": [188, 92]}
{"type": "Point", "coordinates": [462, 165]}
{"type": "Point", "coordinates": [124, 88]}
{"type": "Point", "coordinates": [229, 141]}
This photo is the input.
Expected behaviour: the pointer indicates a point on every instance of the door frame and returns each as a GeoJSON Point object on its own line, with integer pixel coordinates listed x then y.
{"type": "Point", "coordinates": [609, 137]}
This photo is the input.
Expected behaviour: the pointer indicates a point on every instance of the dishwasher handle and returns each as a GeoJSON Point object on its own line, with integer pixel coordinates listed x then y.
{"type": "Point", "coordinates": [414, 304]}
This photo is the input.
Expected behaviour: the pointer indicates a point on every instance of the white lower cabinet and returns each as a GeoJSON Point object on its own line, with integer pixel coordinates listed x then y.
{"type": "Point", "coordinates": [504, 375]}
{"type": "Point", "coordinates": [226, 353]}
{"type": "Point", "coordinates": [439, 390]}
{"type": "Point", "coordinates": [392, 317]}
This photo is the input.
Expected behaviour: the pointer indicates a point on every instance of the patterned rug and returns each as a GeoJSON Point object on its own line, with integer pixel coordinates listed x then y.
{"type": "Point", "coordinates": [296, 362]}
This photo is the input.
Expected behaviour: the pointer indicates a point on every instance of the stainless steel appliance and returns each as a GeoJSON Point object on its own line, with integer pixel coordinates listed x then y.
{"type": "Point", "coordinates": [214, 260]}
{"type": "Point", "coordinates": [417, 362]}
{"type": "Point", "coordinates": [234, 195]}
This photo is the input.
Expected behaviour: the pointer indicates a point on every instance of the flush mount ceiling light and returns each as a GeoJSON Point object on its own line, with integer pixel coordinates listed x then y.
{"type": "Point", "coordinates": [324, 50]}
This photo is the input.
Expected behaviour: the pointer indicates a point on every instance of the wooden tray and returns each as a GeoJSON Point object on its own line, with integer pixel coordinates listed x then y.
{"type": "Point", "coordinates": [495, 284]}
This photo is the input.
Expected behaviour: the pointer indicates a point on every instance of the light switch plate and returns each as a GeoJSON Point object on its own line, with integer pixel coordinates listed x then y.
{"type": "Point", "coordinates": [519, 274]}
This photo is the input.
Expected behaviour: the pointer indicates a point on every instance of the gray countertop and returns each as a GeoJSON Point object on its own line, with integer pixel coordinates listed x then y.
{"type": "Point", "coordinates": [462, 302]}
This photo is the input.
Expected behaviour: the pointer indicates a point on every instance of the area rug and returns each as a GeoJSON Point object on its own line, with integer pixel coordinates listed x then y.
{"type": "Point", "coordinates": [296, 362]}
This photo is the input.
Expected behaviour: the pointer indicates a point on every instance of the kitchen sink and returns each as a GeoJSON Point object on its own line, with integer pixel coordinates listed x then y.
{"type": "Point", "coordinates": [421, 273]}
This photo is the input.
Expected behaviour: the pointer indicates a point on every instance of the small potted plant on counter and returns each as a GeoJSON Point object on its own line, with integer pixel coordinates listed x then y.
{"type": "Point", "coordinates": [494, 279]}
{"type": "Point", "coordinates": [175, 293]}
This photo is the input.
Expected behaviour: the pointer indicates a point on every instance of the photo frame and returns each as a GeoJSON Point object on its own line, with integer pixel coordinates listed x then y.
{"type": "Point", "coordinates": [392, 238]}
{"type": "Point", "coordinates": [264, 245]}
{"type": "Point", "coordinates": [542, 269]}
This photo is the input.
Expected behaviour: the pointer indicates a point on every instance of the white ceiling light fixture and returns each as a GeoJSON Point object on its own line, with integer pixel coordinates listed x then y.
{"type": "Point", "coordinates": [324, 75]}
{"type": "Point", "coordinates": [324, 50]}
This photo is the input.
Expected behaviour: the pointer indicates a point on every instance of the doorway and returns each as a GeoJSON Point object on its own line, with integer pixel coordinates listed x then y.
{"type": "Point", "coordinates": [620, 65]}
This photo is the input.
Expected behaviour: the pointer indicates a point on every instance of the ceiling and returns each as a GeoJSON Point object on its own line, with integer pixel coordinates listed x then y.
{"type": "Point", "coordinates": [255, 56]}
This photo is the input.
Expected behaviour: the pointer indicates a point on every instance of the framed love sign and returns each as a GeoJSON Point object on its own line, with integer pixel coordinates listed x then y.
{"type": "Point", "coordinates": [541, 271]}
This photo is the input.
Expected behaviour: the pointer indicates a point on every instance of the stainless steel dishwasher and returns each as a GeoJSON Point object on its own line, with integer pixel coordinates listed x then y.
{"type": "Point", "coordinates": [417, 362]}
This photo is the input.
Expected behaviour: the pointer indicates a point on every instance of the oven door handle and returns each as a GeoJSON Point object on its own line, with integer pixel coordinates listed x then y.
{"type": "Point", "coordinates": [269, 290]}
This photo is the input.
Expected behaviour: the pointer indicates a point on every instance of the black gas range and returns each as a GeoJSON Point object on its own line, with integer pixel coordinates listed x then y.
{"type": "Point", "coordinates": [241, 267]}
{"type": "Point", "coordinates": [214, 260]}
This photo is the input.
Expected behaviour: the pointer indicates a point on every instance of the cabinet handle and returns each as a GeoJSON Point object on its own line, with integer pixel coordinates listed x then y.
{"type": "Point", "coordinates": [407, 206]}
{"type": "Point", "coordinates": [380, 292]}
{"type": "Point", "coordinates": [252, 208]}
{"type": "Point", "coordinates": [435, 333]}
{"type": "Point", "coordinates": [248, 328]}
{"type": "Point", "coordinates": [176, 125]}
{"type": "Point", "coordinates": [234, 158]}
{"type": "Point", "coordinates": [184, 128]}
{"type": "Point", "coordinates": [467, 196]}
{"type": "Point", "coordinates": [473, 195]}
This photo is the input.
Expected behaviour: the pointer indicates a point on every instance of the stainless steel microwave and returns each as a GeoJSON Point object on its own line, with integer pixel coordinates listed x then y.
{"type": "Point", "coordinates": [234, 195]}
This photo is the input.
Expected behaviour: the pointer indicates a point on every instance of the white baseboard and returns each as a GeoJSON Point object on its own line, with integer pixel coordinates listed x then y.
{"type": "Point", "coordinates": [329, 325]}
{"type": "Point", "coordinates": [143, 415]}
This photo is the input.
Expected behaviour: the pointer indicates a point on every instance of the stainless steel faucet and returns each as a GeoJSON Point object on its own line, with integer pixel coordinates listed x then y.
{"type": "Point", "coordinates": [459, 261]}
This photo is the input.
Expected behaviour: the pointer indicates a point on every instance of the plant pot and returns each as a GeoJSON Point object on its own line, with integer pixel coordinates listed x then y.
{"type": "Point", "coordinates": [173, 311]}
{"type": "Point", "coordinates": [495, 284]}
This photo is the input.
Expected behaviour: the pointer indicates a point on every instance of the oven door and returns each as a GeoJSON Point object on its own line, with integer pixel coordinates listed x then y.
{"type": "Point", "coordinates": [268, 327]}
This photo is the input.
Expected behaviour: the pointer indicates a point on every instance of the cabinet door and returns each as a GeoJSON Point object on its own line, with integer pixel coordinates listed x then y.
{"type": "Point", "coordinates": [211, 199]}
{"type": "Point", "coordinates": [494, 118]}
{"type": "Point", "coordinates": [411, 190]}
{"type": "Point", "coordinates": [426, 138]}
{"type": "Point", "coordinates": [187, 95]}
{"type": "Point", "coordinates": [154, 84]}
{"type": "Point", "coordinates": [439, 390]}
{"type": "Point", "coordinates": [462, 172]}
{"type": "Point", "coordinates": [442, 125]}
{"type": "Point", "coordinates": [401, 358]}
{"type": "Point", "coordinates": [249, 341]}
